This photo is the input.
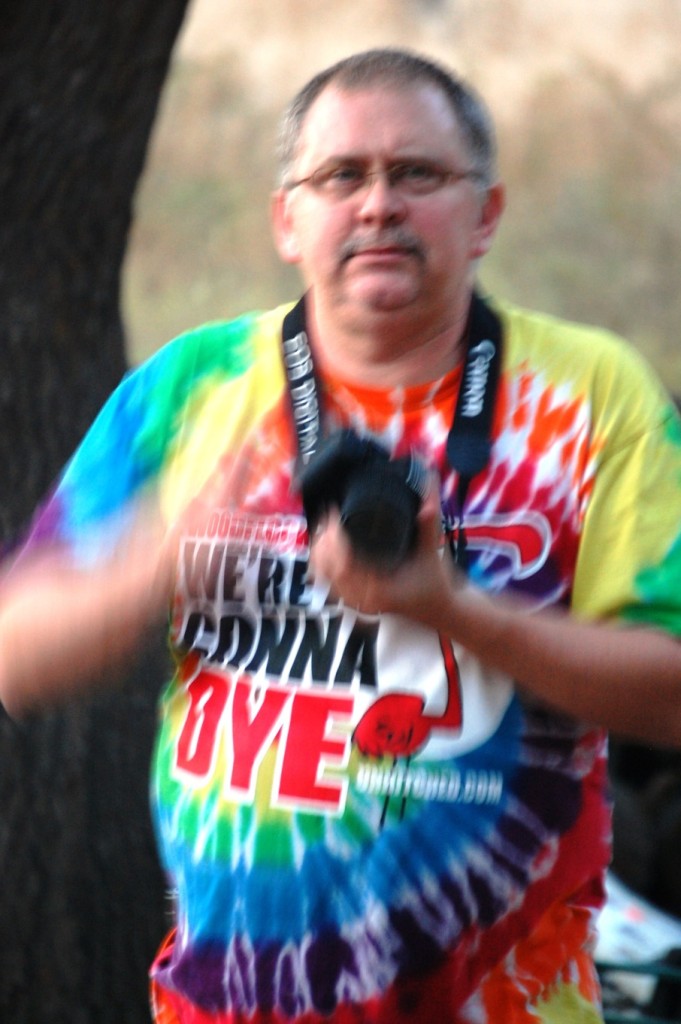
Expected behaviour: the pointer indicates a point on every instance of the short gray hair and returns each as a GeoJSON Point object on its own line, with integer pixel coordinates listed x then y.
{"type": "Point", "coordinates": [394, 67]}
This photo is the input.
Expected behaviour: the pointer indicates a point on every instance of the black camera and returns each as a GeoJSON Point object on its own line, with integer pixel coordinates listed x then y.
{"type": "Point", "coordinates": [378, 498]}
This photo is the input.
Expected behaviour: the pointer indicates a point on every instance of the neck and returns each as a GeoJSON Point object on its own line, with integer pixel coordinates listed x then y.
{"type": "Point", "coordinates": [388, 352]}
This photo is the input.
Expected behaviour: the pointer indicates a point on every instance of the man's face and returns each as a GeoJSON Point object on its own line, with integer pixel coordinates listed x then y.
{"type": "Point", "coordinates": [381, 251]}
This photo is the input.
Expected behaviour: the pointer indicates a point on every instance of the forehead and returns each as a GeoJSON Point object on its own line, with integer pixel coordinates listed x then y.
{"type": "Point", "coordinates": [380, 120]}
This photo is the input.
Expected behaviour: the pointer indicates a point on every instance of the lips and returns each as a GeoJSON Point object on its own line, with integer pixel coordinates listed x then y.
{"type": "Point", "coordinates": [384, 254]}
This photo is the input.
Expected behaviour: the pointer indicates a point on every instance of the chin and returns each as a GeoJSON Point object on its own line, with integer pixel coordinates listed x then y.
{"type": "Point", "coordinates": [385, 298]}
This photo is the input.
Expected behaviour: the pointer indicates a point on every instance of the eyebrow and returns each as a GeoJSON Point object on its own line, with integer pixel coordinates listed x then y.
{"type": "Point", "coordinates": [395, 158]}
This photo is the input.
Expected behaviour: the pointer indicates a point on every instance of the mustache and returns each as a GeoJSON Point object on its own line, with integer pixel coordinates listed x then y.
{"type": "Point", "coordinates": [396, 238]}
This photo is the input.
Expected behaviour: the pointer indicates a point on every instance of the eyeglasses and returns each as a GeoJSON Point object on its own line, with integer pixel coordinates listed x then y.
{"type": "Point", "coordinates": [408, 177]}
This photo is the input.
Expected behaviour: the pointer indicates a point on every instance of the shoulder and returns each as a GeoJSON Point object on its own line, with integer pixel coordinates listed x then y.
{"type": "Point", "coordinates": [226, 348]}
{"type": "Point", "coordinates": [147, 410]}
{"type": "Point", "coordinates": [534, 335]}
{"type": "Point", "coordinates": [592, 367]}
{"type": "Point", "coordinates": [138, 431]}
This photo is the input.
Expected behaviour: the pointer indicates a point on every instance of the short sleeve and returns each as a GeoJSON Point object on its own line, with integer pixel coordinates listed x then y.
{"type": "Point", "coordinates": [629, 563]}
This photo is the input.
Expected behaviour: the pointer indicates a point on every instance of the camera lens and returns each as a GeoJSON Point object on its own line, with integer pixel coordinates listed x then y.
{"type": "Point", "coordinates": [379, 512]}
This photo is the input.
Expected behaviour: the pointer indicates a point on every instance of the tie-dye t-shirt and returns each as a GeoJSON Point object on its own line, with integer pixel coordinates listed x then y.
{"type": "Point", "coordinates": [359, 821]}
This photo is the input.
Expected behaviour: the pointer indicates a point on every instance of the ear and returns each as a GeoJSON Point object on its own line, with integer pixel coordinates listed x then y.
{"type": "Point", "coordinates": [283, 226]}
{"type": "Point", "coordinates": [491, 209]}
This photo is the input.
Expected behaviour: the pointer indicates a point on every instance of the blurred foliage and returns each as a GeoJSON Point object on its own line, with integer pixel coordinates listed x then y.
{"type": "Point", "coordinates": [592, 230]}
{"type": "Point", "coordinates": [201, 244]}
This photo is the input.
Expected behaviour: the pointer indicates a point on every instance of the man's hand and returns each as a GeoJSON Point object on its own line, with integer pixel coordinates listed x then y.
{"type": "Point", "coordinates": [414, 589]}
{"type": "Point", "coordinates": [62, 624]}
{"type": "Point", "coordinates": [623, 678]}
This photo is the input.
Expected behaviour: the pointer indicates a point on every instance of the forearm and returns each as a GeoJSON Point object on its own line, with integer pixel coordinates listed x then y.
{"type": "Point", "coordinates": [627, 679]}
{"type": "Point", "coordinates": [61, 626]}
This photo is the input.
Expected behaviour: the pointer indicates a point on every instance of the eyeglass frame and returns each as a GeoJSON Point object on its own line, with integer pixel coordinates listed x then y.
{"type": "Point", "coordinates": [321, 177]}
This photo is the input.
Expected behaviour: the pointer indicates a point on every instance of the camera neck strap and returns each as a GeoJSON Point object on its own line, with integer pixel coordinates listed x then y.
{"type": "Point", "coordinates": [303, 388]}
{"type": "Point", "coordinates": [469, 443]}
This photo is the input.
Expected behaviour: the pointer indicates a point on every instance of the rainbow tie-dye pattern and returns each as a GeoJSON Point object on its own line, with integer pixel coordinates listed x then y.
{"type": "Point", "coordinates": [359, 821]}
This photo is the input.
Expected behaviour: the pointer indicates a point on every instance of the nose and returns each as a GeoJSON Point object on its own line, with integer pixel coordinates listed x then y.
{"type": "Point", "coordinates": [380, 201]}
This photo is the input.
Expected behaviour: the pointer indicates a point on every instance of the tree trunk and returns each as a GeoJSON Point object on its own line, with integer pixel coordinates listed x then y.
{"type": "Point", "coordinates": [82, 902]}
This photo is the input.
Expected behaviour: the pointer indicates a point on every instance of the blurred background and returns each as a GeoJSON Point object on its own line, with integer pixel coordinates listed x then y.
{"type": "Point", "coordinates": [587, 100]}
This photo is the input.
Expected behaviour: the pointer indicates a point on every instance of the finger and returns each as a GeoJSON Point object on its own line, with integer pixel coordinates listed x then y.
{"type": "Point", "coordinates": [329, 547]}
{"type": "Point", "coordinates": [430, 516]}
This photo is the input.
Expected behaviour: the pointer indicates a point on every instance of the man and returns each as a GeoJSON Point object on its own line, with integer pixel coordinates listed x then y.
{"type": "Point", "coordinates": [379, 789]}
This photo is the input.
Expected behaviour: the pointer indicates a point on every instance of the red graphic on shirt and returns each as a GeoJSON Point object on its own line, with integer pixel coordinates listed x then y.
{"type": "Point", "coordinates": [301, 726]}
{"type": "Point", "coordinates": [524, 539]}
{"type": "Point", "coordinates": [395, 725]}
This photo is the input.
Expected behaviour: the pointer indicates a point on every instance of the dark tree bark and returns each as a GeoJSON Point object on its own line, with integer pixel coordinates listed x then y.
{"type": "Point", "coordinates": [82, 902]}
